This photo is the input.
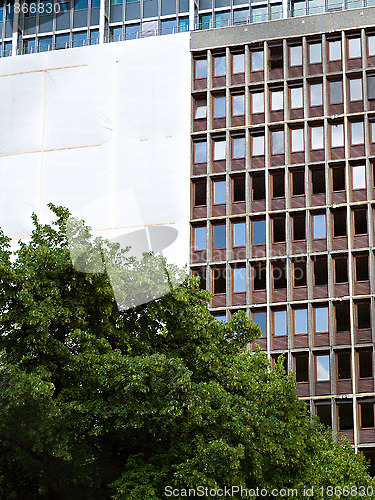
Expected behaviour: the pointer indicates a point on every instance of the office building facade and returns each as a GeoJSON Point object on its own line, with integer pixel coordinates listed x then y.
{"type": "Point", "coordinates": [283, 193]}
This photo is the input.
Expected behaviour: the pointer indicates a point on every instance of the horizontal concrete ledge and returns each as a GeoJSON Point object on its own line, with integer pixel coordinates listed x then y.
{"type": "Point", "coordinates": [283, 28]}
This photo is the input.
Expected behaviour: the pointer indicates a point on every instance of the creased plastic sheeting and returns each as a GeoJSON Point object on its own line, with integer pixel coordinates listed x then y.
{"type": "Point", "coordinates": [21, 113]}
{"type": "Point", "coordinates": [153, 124]}
{"type": "Point", "coordinates": [19, 193]}
{"type": "Point", "coordinates": [110, 127]}
{"type": "Point", "coordinates": [78, 179]}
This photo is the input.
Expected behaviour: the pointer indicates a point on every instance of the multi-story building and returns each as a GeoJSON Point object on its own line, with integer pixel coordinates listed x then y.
{"type": "Point", "coordinates": [283, 197]}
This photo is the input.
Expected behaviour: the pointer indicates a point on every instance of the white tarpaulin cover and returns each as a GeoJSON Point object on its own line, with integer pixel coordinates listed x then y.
{"type": "Point", "coordinates": [102, 130]}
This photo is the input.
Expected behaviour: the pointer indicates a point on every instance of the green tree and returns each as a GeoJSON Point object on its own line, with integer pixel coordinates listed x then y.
{"type": "Point", "coordinates": [99, 403]}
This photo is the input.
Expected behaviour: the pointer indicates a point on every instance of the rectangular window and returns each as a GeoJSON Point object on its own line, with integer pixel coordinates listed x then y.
{"type": "Point", "coordinates": [323, 411]}
{"type": "Point", "coordinates": [257, 59]}
{"type": "Point", "coordinates": [200, 196]}
{"type": "Point", "coordinates": [322, 368]}
{"type": "Point", "coordinates": [334, 50]}
{"type": "Point", "coordinates": [259, 232]}
{"type": "Point", "coordinates": [296, 55]}
{"type": "Point", "coordinates": [219, 107]}
{"type": "Point", "coordinates": [337, 135]}
{"type": "Point", "coordinates": [219, 236]}
{"type": "Point", "coordinates": [201, 68]}
{"type": "Point", "coordinates": [259, 187]}
{"type": "Point", "coordinates": [239, 279]}
{"type": "Point", "coordinates": [238, 186]}
{"type": "Point", "coordinates": [200, 109]}
{"type": "Point", "coordinates": [259, 271]}
{"type": "Point", "coordinates": [200, 235]}
{"type": "Point", "coordinates": [238, 104]}
{"type": "Point", "coordinates": [299, 228]}
{"type": "Point", "coordinates": [318, 180]}
{"type": "Point", "coordinates": [302, 367]}
{"type": "Point", "coordinates": [219, 281]}
{"type": "Point", "coordinates": [299, 273]}
{"type": "Point", "coordinates": [341, 270]}
{"type": "Point", "coordinates": [277, 100]}
{"type": "Point", "coordinates": [365, 364]}
{"type": "Point", "coordinates": [278, 185]}
{"type": "Point", "coordinates": [357, 133]}
{"type": "Point", "coordinates": [296, 97]}
{"type": "Point", "coordinates": [297, 139]}
{"type": "Point", "coordinates": [354, 47]}
{"type": "Point", "coordinates": [200, 152]}
{"type": "Point", "coordinates": [276, 57]}
{"type": "Point", "coordinates": [338, 179]}
{"type": "Point", "coordinates": [344, 371]}
{"type": "Point", "coordinates": [363, 315]}
{"type": "Point", "coordinates": [257, 102]}
{"type": "Point", "coordinates": [361, 267]}
{"type": "Point", "coordinates": [359, 177]}
{"type": "Point", "coordinates": [320, 271]}
{"type": "Point", "coordinates": [335, 92]}
{"type": "Point", "coordinates": [238, 147]}
{"type": "Point", "coordinates": [238, 63]}
{"type": "Point", "coordinates": [355, 89]}
{"type": "Point", "coordinates": [298, 183]}
{"type": "Point", "coordinates": [300, 321]}
{"type": "Point", "coordinates": [345, 412]}
{"type": "Point", "coordinates": [279, 322]}
{"type": "Point", "coordinates": [279, 275]}
{"type": "Point", "coordinates": [367, 415]}
{"type": "Point", "coordinates": [316, 94]}
{"type": "Point", "coordinates": [277, 137]}
{"type": "Point", "coordinates": [219, 192]}
{"type": "Point", "coordinates": [315, 53]}
{"type": "Point", "coordinates": [219, 66]}
{"type": "Point", "coordinates": [371, 45]}
{"type": "Point", "coordinates": [321, 319]}
{"type": "Point", "coordinates": [239, 234]}
{"type": "Point", "coordinates": [257, 145]}
{"type": "Point", "coordinates": [278, 230]}
{"type": "Point", "coordinates": [219, 150]}
{"type": "Point", "coordinates": [317, 137]}
{"type": "Point", "coordinates": [260, 318]}
{"type": "Point", "coordinates": [342, 312]}
{"type": "Point", "coordinates": [360, 221]}
{"type": "Point", "coordinates": [319, 226]}
{"type": "Point", "coordinates": [339, 222]}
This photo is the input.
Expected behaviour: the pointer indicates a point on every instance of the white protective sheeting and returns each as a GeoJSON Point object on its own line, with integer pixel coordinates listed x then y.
{"type": "Point", "coordinates": [102, 130]}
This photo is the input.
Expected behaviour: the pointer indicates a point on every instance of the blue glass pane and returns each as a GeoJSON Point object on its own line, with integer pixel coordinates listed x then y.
{"type": "Point", "coordinates": [239, 279]}
{"type": "Point", "coordinates": [206, 21]}
{"type": "Point", "coordinates": [132, 31]}
{"type": "Point", "coordinates": [7, 49]}
{"type": "Point", "coordinates": [45, 44]}
{"type": "Point", "coordinates": [221, 317]}
{"type": "Point", "coordinates": [1, 13]}
{"type": "Point", "coordinates": [219, 107]}
{"type": "Point", "coordinates": [183, 6]}
{"type": "Point", "coordinates": [200, 152]}
{"type": "Point", "coordinates": [95, 3]}
{"type": "Point", "coordinates": [259, 232]}
{"type": "Point", "coordinates": [94, 37]}
{"type": "Point", "coordinates": [300, 321]}
{"type": "Point", "coordinates": [81, 4]}
{"type": "Point", "coordinates": [280, 322]}
{"type": "Point", "coordinates": [200, 238]}
{"type": "Point", "coordinates": [183, 24]}
{"type": "Point", "coordinates": [319, 226]}
{"type": "Point", "coordinates": [260, 318]}
{"type": "Point", "coordinates": [239, 234]}
{"type": "Point", "coordinates": [168, 27]}
{"type": "Point", "coordinates": [239, 147]}
{"type": "Point", "coordinates": [132, 12]}
{"type": "Point", "coordinates": [79, 39]}
{"type": "Point", "coordinates": [219, 66]}
{"type": "Point", "coordinates": [9, 12]}
{"type": "Point", "coordinates": [219, 192]}
{"type": "Point", "coordinates": [322, 367]}
{"type": "Point", "coordinates": [219, 236]}
{"type": "Point", "coordinates": [321, 319]}
{"type": "Point", "coordinates": [62, 41]}
{"type": "Point", "coordinates": [201, 68]}
{"type": "Point", "coordinates": [222, 19]}
{"type": "Point", "coordinates": [168, 7]}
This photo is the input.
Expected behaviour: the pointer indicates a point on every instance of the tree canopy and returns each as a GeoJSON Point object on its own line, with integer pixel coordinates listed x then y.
{"type": "Point", "coordinates": [98, 403]}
